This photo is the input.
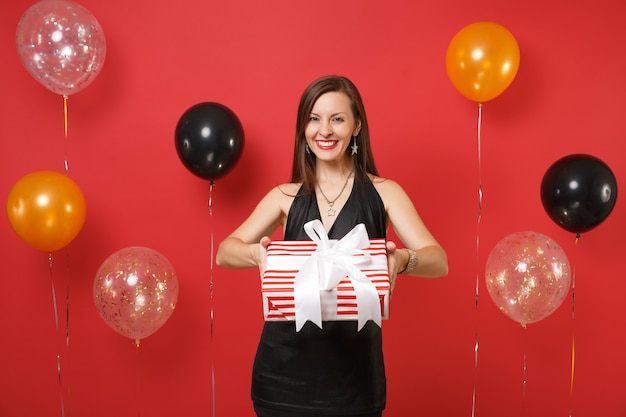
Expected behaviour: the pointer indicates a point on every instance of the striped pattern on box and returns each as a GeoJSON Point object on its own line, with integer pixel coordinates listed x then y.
{"type": "Point", "coordinates": [284, 259]}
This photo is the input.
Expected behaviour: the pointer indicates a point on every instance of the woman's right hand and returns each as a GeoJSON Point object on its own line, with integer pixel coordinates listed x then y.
{"type": "Point", "coordinates": [261, 254]}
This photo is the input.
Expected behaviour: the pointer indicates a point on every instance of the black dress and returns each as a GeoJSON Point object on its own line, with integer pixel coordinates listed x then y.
{"type": "Point", "coordinates": [330, 371]}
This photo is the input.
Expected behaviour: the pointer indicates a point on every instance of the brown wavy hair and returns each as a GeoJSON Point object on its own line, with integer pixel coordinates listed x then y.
{"type": "Point", "coordinates": [303, 168]}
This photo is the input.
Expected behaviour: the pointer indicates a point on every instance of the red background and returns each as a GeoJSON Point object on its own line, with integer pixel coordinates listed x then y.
{"type": "Point", "coordinates": [256, 58]}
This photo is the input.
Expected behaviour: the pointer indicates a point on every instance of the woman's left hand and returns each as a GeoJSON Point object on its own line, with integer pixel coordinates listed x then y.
{"type": "Point", "coordinates": [394, 263]}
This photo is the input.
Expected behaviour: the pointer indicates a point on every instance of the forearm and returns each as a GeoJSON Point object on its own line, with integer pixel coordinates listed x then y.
{"type": "Point", "coordinates": [429, 262]}
{"type": "Point", "coordinates": [233, 253]}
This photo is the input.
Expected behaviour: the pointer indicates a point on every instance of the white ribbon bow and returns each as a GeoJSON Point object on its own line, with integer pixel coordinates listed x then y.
{"type": "Point", "coordinates": [316, 282]}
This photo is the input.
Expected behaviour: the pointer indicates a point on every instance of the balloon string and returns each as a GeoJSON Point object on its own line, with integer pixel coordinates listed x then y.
{"type": "Point", "coordinates": [67, 304]}
{"type": "Point", "coordinates": [67, 320]}
{"type": "Point", "coordinates": [571, 382]}
{"type": "Point", "coordinates": [67, 287]}
{"type": "Point", "coordinates": [480, 186]}
{"type": "Point", "coordinates": [65, 132]}
{"type": "Point", "coordinates": [65, 114]}
{"type": "Point", "coordinates": [479, 217]}
{"type": "Point", "coordinates": [211, 199]}
{"type": "Point", "coordinates": [524, 369]}
{"type": "Point", "coordinates": [211, 184]}
{"type": "Point", "coordinates": [137, 343]}
{"type": "Point", "coordinates": [480, 200]}
{"type": "Point", "coordinates": [56, 324]}
{"type": "Point", "coordinates": [571, 385]}
{"type": "Point", "coordinates": [475, 373]}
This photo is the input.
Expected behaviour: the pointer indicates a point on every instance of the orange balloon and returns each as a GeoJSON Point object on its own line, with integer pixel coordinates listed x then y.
{"type": "Point", "coordinates": [46, 210]}
{"type": "Point", "coordinates": [482, 60]}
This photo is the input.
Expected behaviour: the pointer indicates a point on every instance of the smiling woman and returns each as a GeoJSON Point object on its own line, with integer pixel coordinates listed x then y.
{"type": "Point", "coordinates": [296, 370]}
{"type": "Point", "coordinates": [256, 57]}
{"type": "Point", "coordinates": [331, 124]}
{"type": "Point", "coordinates": [330, 130]}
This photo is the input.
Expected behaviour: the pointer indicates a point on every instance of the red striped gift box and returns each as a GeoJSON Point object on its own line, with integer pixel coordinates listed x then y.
{"type": "Point", "coordinates": [284, 260]}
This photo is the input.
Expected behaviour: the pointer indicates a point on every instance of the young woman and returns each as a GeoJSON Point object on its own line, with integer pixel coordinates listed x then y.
{"type": "Point", "coordinates": [335, 370]}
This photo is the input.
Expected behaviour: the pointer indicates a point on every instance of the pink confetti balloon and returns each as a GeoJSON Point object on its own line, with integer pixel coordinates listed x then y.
{"type": "Point", "coordinates": [61, 44]}
{"type": "Point", "coordinates": [527, 276]}
{"type": "Point", "coordinates": [135, 291]}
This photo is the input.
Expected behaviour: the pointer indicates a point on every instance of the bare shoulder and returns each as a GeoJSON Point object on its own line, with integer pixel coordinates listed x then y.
{"type": "Point", "coordinates": [283, 195]}
{"type": "Point", "coordinates": [288, 189]}
{"type": "Point", "coordinates": [387, 188]}
{"type": "Point", "coordinates": [269, 214]}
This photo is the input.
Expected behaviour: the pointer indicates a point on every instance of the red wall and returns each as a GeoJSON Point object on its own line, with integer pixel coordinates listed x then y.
{"type": "Point", "coordinates": [256, 58]}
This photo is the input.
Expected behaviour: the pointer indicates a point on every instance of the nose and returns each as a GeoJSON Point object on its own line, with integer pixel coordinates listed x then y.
{"type": "Point", "coordinates": [326, 129]}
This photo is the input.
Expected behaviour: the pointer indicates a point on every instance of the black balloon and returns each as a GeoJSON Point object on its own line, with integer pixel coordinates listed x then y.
{"type": "Point", "coordinates": [209, 140]}
{"type": "Point", "coordinates": [578, 192]}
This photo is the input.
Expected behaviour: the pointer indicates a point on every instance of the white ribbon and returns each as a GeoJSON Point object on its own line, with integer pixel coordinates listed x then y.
{"type": "Point", "coordinates": [316, 282]}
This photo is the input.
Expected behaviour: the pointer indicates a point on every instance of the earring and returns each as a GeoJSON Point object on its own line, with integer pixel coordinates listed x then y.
{"type": "Point", "coordinates": [308, 150]}
{"type": "Point", "coordinates": [355, 147]}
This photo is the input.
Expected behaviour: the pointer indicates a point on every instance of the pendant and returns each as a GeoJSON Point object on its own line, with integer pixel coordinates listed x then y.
{"type": "Point", "coordinates": [330, 212]}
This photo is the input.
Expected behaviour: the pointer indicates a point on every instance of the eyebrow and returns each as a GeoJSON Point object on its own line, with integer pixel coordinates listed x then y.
{"type": "Point", "coordinates": [333, 114]}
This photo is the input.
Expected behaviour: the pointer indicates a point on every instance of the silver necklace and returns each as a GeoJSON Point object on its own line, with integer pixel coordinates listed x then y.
{"type": "Point", "coordinates": [330, 212]}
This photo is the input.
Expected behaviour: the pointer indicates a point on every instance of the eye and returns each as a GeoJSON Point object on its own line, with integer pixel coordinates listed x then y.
{"type": "Point", "coordinates": [337, 119]}
{"type": "Point", "coordinates": [313, 118]}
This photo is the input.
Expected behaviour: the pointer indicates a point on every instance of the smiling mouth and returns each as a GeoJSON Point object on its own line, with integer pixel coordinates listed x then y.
{"type": "Point", "coordinates": [323, 144]}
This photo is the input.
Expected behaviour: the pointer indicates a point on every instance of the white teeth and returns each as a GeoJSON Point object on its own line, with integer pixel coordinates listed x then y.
{"type": "Point", "coordinates": [327, 143]}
